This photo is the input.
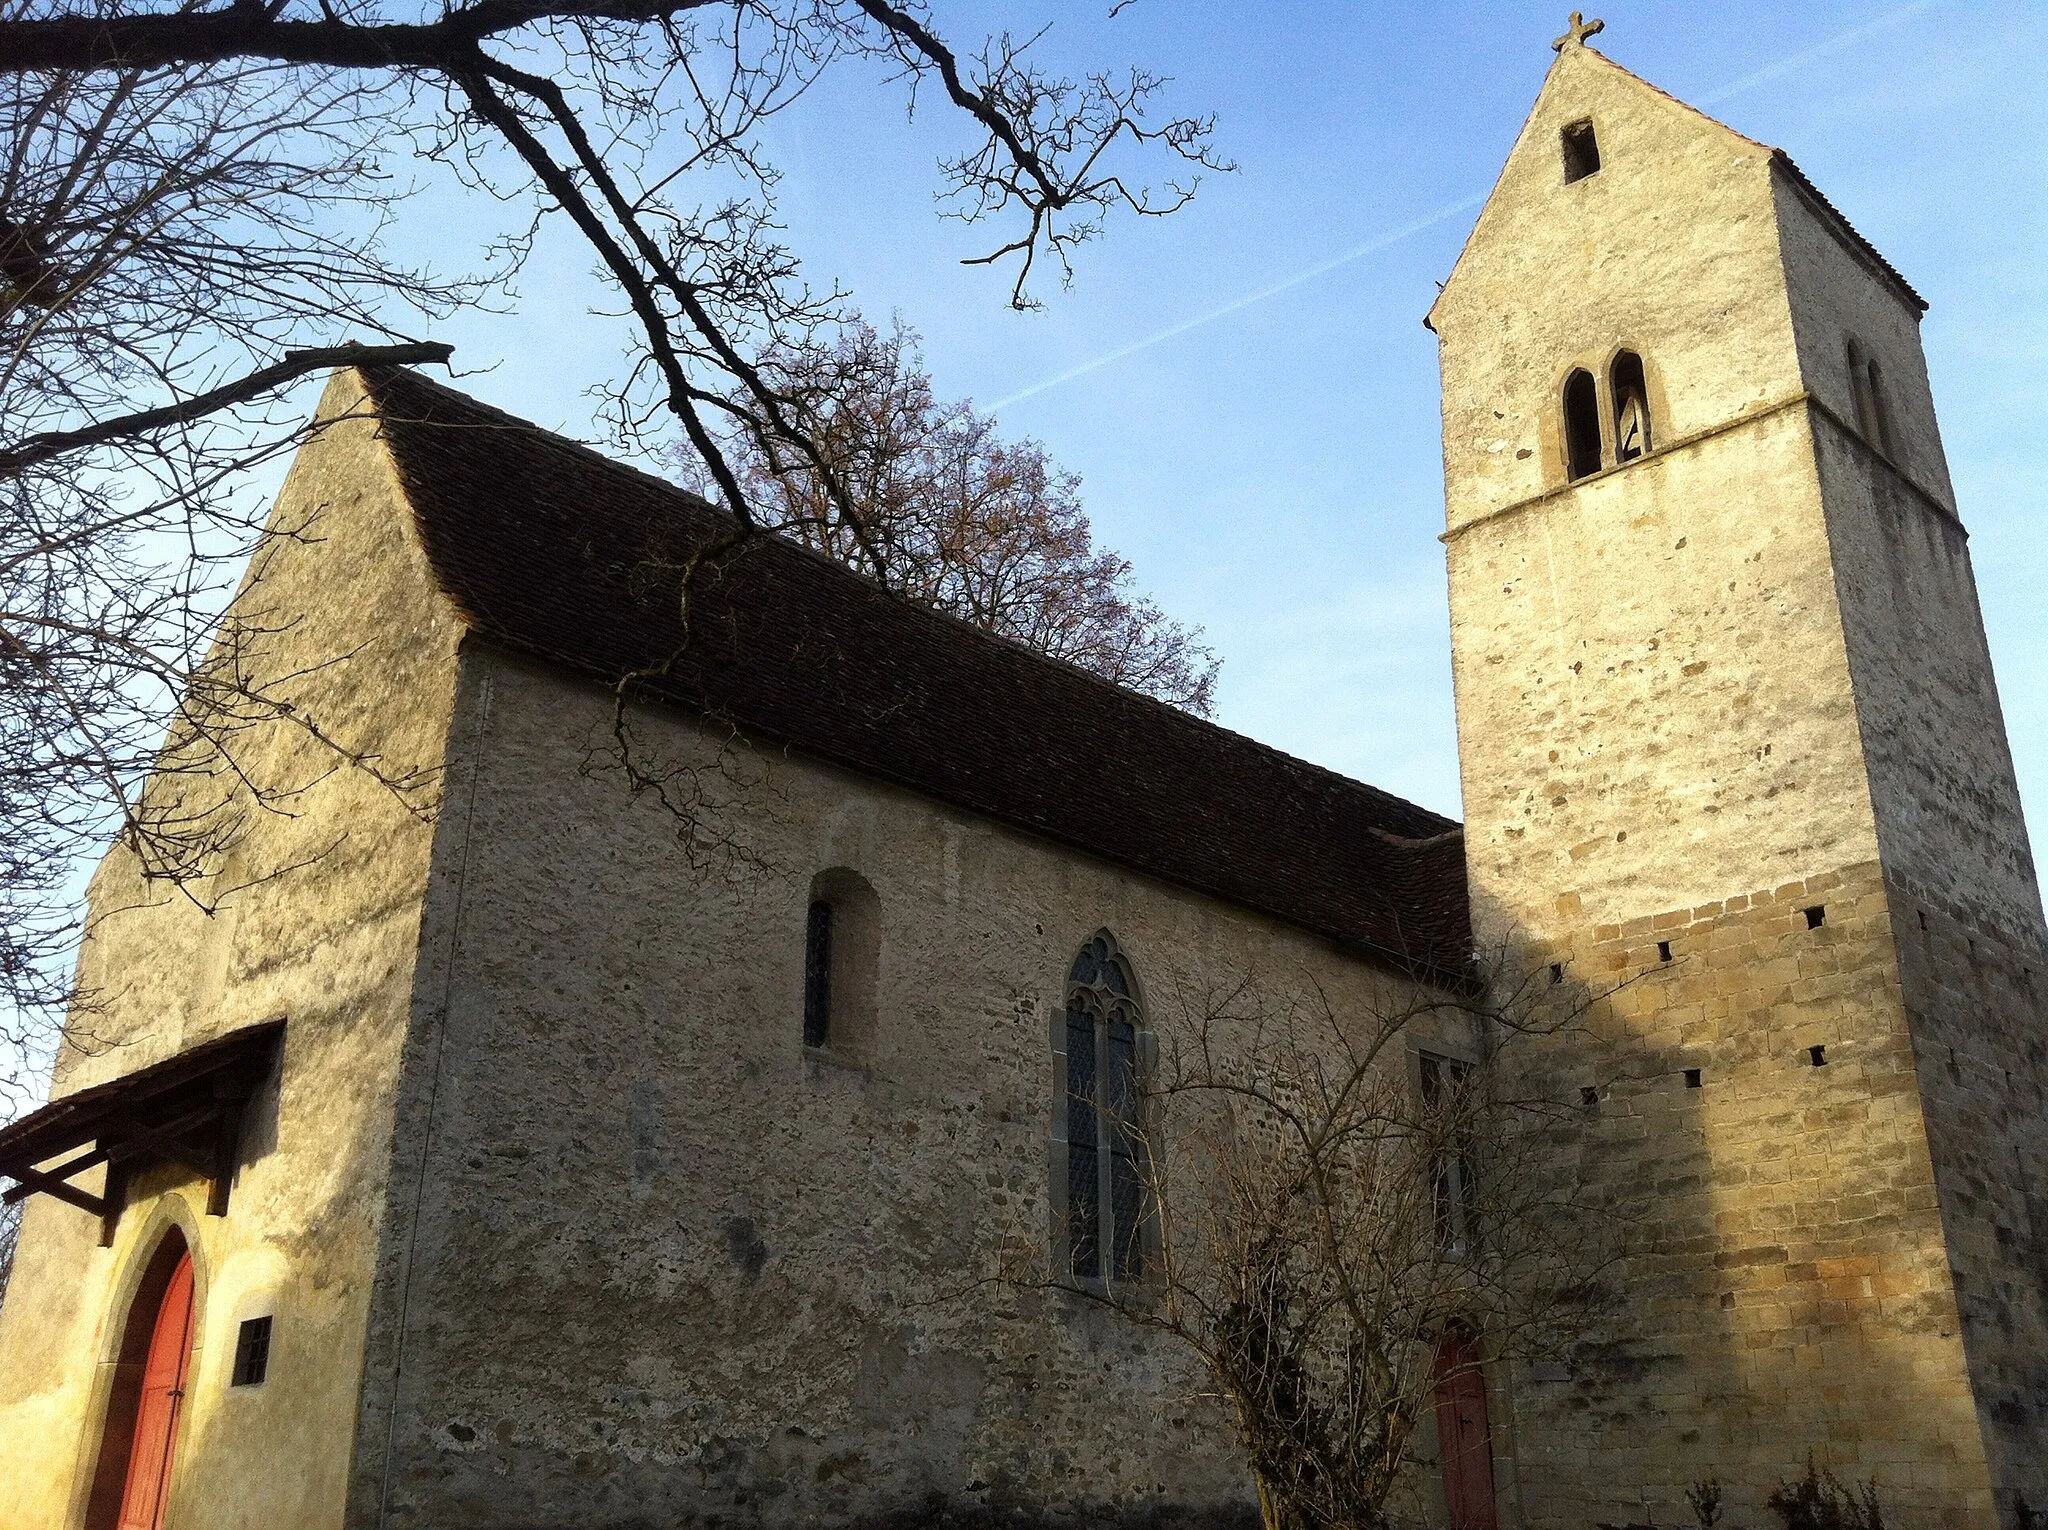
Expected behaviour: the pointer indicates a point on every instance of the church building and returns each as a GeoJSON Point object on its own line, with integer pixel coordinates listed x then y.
{"type": "Point", "coordinates": [594, 1113]}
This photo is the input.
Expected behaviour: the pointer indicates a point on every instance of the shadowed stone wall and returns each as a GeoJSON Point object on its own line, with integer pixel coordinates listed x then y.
{"type": "Point", "coordinates": [670, 1267]}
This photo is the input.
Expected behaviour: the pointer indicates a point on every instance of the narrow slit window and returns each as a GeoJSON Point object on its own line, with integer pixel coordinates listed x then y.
{"type": "Point", "coordinates": [252, 1353]}
{"type": "Point", "coordinates": [1581, 425]}
{"type": "Point", "coordinates": [1581, 152]}
{"type": "Point", "coordinates": [1866, 386]}
{"type": "Point", "coordinates": [1631, 395]}
{"type": "Point", "coordinates": [1444, 1081]}
{"type": "Point", "coordinates": [818, 974]}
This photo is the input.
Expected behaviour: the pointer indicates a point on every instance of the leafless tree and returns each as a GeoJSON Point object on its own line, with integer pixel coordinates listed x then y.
{"type": "Point", "coordinates": [1341, 1219]}
{"type": "Point", "coordinates": [10, 1239]}
{"type": "Point", "coordinates": [192, 217]}
{"type": "Point", "coordinates": [165, 237]}
{"type": "Point", "coordinates": [955, 517]}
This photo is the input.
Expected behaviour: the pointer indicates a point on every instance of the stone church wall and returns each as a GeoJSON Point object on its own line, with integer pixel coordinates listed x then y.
{"type": "Point", "coordinates": [330, 946]}
{"type": "Point", "coordinates": [1977, 999]}
{"type": "Point", "coordinates": [671, 1269]}
{"type": "Point", "coordinates": [1790, 1294]}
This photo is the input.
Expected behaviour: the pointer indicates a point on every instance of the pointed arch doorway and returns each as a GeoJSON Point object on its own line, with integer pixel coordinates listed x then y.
{"type": "Point", "coordinates": [141, 1435]}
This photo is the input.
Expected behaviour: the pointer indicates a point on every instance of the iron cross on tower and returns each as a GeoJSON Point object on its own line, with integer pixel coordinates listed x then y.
{"type": "Point", "coordinates": [1575, 36]}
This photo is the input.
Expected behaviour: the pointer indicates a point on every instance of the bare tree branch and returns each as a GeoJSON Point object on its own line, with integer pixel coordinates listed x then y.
{"type": "Point", "coordinates": [296, 364]}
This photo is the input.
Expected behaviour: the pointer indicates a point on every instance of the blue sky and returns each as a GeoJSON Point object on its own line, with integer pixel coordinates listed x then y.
{"type": "Point", "coordinates": [1272, 466]}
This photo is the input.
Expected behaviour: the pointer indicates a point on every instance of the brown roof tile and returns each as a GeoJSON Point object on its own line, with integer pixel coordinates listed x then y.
{"type": "Point", "coordinates": [549, 547]}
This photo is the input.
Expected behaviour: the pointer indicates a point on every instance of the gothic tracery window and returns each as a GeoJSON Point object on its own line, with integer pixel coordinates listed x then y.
{"type": "Point", "coordinates": [1105, 1210]}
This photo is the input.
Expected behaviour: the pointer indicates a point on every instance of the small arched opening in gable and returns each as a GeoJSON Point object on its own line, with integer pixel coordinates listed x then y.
{"type": "Point", "coordinates": [145, 1403]}
{"type": "Point", "coordinates": [1582, 447]}
{"type": "Point", "coordinates": [1630, 391]}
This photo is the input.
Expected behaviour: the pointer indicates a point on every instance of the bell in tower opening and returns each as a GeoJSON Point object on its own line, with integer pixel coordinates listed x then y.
{"type": "Point", "coordinates": [1631, 407]}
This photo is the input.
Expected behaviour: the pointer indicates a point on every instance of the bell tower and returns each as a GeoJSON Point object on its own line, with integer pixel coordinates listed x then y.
{"type": "Point", "coordinates": [1733, 760]}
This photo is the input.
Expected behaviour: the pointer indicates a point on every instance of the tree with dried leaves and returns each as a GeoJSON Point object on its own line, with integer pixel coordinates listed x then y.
{"type": "Point", "coordinates": [1346, 1209]}
{"type": "Point", "coordinates": [194, 211]}
{"type": "Point", "coordinates": [954, 517]}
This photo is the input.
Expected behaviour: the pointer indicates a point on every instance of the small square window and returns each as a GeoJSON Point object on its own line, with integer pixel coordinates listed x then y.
{"type": "Point", "coordinates": [252, 1352]}
{"type": "Point", "coordinates": [1815, 916]}
{"type": "Point", "coordinates": [1581, 152]}
{"type": "Point", "coordinates": [1692, 1078]}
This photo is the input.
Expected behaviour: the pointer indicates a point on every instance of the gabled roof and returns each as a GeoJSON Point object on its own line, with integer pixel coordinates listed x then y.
{"type": "Point", "coordinates": [550, 548]}
{"type": "Point", "coordinates": [1828, 213]}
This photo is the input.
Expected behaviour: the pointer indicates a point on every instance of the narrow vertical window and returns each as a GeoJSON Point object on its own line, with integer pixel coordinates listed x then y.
{"type": "Point", "coordinates": [818, 975]}
{"type": "Point", "coordinates": [1866, 386]}
{"type": "Point", "coordinates": [842, 967]}
{"type": "Point", "coordinates": [1631, 397]}
{"type": "Point", "coordinates": [1450, 1165]}
{"type": "Point", "coordinates": [1105, 1190]}
{"type": "Point", "coordinates": [1084, 1173]}
{"type": "Point", "coordinates": [1880, 414]}
{"type": "Point", "coordinates": [1581, 152]}
{"type": "Point", "coordinates": [1581, 426]}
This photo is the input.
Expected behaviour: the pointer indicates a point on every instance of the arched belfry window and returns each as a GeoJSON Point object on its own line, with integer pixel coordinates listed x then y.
{"type": "Point", "coordinates": [1631, 395]}
{"type": "Point", "coordinates": [1103, 1204]}
{"type": "Point", "coordinates": [1581, 425]}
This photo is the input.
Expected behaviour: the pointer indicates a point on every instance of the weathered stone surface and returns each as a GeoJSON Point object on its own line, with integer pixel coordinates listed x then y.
{"type": "Point", "coordinates": [1699, 695]}
{"type": "Point", "coordinates": [331, 946]}
{"type": "Point", "coordinates": [667, 1263]}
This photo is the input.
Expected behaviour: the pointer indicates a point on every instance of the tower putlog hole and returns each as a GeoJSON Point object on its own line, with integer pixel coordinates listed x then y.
{"type": "Point", "coordinates": [1663, 950]}
{"type": "Point", "coordinates": [1817, 1056]}
{"type": "Point", "coordinates": [1815, 916]}
{"type": "Point", "coordinates": [1692, 1078]}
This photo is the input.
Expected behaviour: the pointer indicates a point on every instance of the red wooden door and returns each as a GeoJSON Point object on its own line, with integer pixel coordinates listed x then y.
{"type": "Point", "coordinates": [156, 1418]}
{"type": "Point", "coordinates": [1464, 1438]}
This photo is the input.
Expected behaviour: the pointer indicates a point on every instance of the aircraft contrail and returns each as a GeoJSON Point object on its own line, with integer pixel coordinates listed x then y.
{"type": "Point", "coordinates": [1407, 230]}
{"type": "Point", "coordinates": [1442, 214]}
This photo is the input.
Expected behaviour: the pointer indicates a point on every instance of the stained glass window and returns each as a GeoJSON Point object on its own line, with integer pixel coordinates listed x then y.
{"type": "Point", "coordinates": [1105, 1151]}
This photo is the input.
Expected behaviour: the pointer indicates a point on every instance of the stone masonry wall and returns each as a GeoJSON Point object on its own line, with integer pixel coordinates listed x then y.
{"type": "Point", "coordinates": [1789, 1293]}
{"type": "Point", "coordinates": [1978, 1001]}
{"type": "Point", "coordinates": [323, 932]}
{"type": "Point", "coordinates": [668, 1267]}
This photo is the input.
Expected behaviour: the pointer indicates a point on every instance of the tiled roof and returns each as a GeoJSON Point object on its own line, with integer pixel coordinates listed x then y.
{"type": "Point", "coordinates": [551, 548]}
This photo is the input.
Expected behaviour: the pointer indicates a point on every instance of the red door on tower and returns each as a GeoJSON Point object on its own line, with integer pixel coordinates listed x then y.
{"type": "Point", "coordinates": [1464, 1438]}
{"type": "Point", "coordinates": [163, 1393]}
